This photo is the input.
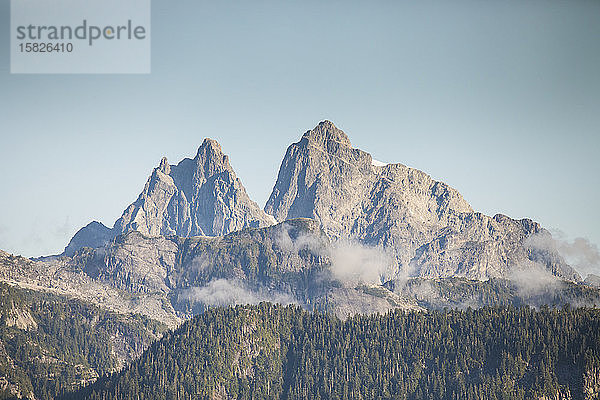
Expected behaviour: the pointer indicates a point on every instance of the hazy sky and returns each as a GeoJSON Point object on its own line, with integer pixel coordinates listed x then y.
{"type": "Point", "coordinates": [499, 99]}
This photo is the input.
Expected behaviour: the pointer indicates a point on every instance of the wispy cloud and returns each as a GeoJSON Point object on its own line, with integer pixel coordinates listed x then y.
{"type": "Point", "coordinates": [223, 292]}
{"type": "Point", "coordinates": [352, 263]}
{"type": "Point", "coordinates": [580, 253]}
{"type": "Point", "coordinates": [533, 279]}
{"type": "Point", "coordinates": [291, 244]}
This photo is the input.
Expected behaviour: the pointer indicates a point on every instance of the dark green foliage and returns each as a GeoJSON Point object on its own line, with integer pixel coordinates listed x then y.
{"type": "Point", "coordinates": [268, 351]}
{"type": "Point", "coordinates": [69, 342]}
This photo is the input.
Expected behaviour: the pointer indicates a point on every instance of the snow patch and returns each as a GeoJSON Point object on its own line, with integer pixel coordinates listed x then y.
{"type": "Point", "coordinates": [378, 163]}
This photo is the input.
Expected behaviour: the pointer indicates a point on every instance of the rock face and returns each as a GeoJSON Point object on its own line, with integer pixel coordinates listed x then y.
{"type": "Point", "coordinates": [21, 319]}
{"type": "Point", "coordinates": [428, 226]}
{"type": "Point", "coordinates": [94, 235]}
{"type": "Point", "coordinates": [170, 278]}
{"type": "Point", "coordinates": [199, 196]}
{"type": "Point", "coordinates": [78, 277]}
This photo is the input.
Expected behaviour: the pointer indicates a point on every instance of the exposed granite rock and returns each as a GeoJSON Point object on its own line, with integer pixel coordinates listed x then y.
{"type": "Point", "coordinates": [169, 278]}
{"type": "Point", "coordinates": [20, 319]}
{"type": "Point", "coordinates": [199, 196]}
{"type": "Point", "coordinates": [347, 302]}
{"type": "Point", "coordinates": [137, 263]}
{"type": "Point", "coordinates": [194, 224]}
{"type": "Point", "coordinates": [427, 225]}
{"type": "Point", "coordinates": [430, 228]}
{"type": "Point", "coordinates": [74, 277]}
{"type": "Point", "coordinates": [289, 262]}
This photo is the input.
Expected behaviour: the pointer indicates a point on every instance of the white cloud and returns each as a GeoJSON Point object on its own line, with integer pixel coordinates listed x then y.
{"type": "Point", "coordinates": [580, 253]}
{"type": "Point", "coordinates": [352, 263]}
{"type": "Point", "coordinates": [533, 279]}
{"type": "Point", "coordinates": [223, 292]}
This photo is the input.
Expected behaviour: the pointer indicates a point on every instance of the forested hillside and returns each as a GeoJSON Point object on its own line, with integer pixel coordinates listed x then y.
{"type": "Point", "coordinates": [269, 351]}
{"type": "Point", "coordinates": [50, 344]}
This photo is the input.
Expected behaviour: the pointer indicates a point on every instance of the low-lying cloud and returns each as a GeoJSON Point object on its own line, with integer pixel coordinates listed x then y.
{"type": "Point", "coordinates": [224, 292]}
{"type": "Point", "coordinates": [534, 280]}
{"type": "Point", "coordinates": [352, 263]}
{"type": "Point", "coordinates": [284, 240]}
{"type": "Point", "coordinates": [536, 285]}
{"type": "Point", "coordinates": [580, 253]}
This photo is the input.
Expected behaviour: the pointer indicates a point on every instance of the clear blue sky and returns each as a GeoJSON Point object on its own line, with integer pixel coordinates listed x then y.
{"type": "Point", "coordinates": [500, 99]}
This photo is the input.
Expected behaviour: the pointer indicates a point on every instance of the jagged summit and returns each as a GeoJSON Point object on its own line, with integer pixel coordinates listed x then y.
{"type": "Point", "coordinates": [212, 159]}
{"type": "Point", "coordinates": [210, 149]}
{"type": "Point", "coordinates": [211, 144]}
{"type": "Point", "coordinates": [196, 197]}
{"type": "Point", "coordinates": [199, 196]}
{"type": "Point", "coordinates": [325, 132]}
{"type": "Point", "coordinates": [336, 184]}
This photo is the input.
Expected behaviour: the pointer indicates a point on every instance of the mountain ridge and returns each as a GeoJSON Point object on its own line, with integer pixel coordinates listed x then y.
{"type": "Point", "coordinates": [377, 225]}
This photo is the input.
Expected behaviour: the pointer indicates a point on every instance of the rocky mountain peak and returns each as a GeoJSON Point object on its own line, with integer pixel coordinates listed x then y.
{"type": "Point", "coordinates": [196, 197]}
{"type": "Point", "coordinates": [200, 196]}
{"type": "Point", "coordinates": [326, 132]}
{"type": "Point", "coordinates": [324, 178]}
{"type": "Point", "coordinates": [211, 159]}
{"type": "Point", "coordinates": [210, 149]}
{"type": "Point", "coordinates": [427, 225]}
{"type": "Point", "coordinates": [93, 235]}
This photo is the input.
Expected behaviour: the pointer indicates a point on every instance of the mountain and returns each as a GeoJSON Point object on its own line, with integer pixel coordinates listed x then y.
{"type": "Point", "coordinates": [352, 231]}
{"type": "Point", "coordinates": [350, 235]}
{"type": "Point", "coordinates": [73, 278]}
{"type": "Point", "coordinates": [197, 197]}
{"type": "Point", "coordinates": [427, 225]}
{"type": "Point", "coordinates": [171, 278]}
{"type": "Point", "coordinates": [275, 352]}
{"type": "Point", "coordinates": [353, 236]}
